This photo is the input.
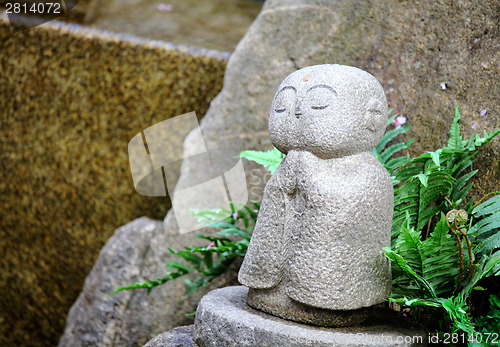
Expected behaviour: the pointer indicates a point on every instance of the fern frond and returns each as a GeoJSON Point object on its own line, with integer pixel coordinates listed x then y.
{"type": "Point", "coordinates": [391, 150]}
{"type": "Point", "coordinates": [455, 140]}
{"type": "Point", "coordinates": [479, 141]}
{"type": "Point", "coordinates": [388, 137]}
{"type": "Point", "coordinates": [485, 232]}
{"type": "Point", "coordinates": [484, 268]}
{"type": "Point", "coordinates": [490, 206]}
{"type": "Point", "coordinates": [440, 258]}
{"type": "Point", "coordinates": [423, 217]}
{"type": "Point", "coordinates": [395, 163]}
{"type": "Point", "coordinates": [405, 266]}
{"type": "Point", "coordinates": [270, 159]}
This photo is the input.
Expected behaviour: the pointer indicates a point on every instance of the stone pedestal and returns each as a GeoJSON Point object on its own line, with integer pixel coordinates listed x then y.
{"type": "Point", "coordinates": [180, 336]}
{"type": "Point", "coordinates": [223, 318]}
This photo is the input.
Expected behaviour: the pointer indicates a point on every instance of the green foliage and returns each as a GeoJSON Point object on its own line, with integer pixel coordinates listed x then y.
{"type": "Point", "coordinates": [385, 155]}
{"type": "Point", "coordinates": [485, 232]}
{"type": "Point", "coordinates": [456, 308]}
{"type": "Point", "coordinates": [442, 246]}
{"type": "Point", "coordinates": [433, 177]}
{"type": "Point", "coordinates": [426, 269]}
{"type": "Point", "coordinates": [210, 261]}
{"type": "Point", "coordinates": [270, 159]}
{"type": "Point", "coordinates": [491, 322]}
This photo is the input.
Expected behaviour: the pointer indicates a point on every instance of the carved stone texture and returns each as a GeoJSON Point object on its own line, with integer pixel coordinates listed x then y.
{"type": "Point", "coordinates": [223, 319]}
{"type": "Point", "coordinates": [316, 250]}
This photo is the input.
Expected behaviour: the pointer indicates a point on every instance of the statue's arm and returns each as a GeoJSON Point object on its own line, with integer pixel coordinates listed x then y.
{"type": "Point", "coordinates": [263, 263]}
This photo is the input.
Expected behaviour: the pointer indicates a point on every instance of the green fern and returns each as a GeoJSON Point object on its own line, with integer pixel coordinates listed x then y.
{"type": "Point", "coordinates": [455, 140]}
{"type": "Point", "coordinates": [432, 263]}
{"type": "Point", "coordinates": [270, 159]}
{"type": "Point", "coordinates": [491, 322]}
{"type": "Point", "coordinates": [485, 232]}
{"type": "Point", "coordinates": [385, 155]}
{"type": "Point", "coordinates": [440, 269]}
{"type": "Point", "coordinates": [234, 233]}
{"type": "Point", "coordinates": [434, 180]}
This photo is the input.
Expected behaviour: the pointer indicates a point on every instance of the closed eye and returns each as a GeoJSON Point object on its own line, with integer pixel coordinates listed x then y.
{"type": "Point", "coordinates": [317, 98]}
{"type": "Point", "coordinates": [281, 109]}
{"type": "Point", "coordinates": [319, 107]}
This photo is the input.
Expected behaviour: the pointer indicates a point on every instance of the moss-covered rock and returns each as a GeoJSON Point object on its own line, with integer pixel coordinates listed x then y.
{"type": "Point", "coordinates": [71, 99]}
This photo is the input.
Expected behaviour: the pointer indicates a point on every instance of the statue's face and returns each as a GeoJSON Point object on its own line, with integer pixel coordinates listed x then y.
{"type": "Point", "coordinates": [328, 110]}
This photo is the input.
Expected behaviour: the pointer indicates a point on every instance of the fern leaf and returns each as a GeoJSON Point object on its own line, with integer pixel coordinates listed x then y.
{"type": "Point", "coordinates": [270, 159]}
{"type": "Point", "coordinates": [235, 232]}
{"type": "Point", "coordinates": [388, 136]}
{"type": "Point", "coordinates": [455, 140]}
{"type": "Point", "coordinates": [424, 216]}
{"type": "Point", "coordinates": [460, 196]}
{"type": "Point", "coordinates": [440, 258]}
{"type": "Point", "coordinates": [481, 270]}
{"type": "Point", "coordinates": [492, 242]}
{"type": "Point", "coordinates": [408, 172]}
{"type": "Point", "coordinates": [485, 224]}
{"type": "Point", "coordinates": [396, 163]}
{"type": "Point", "coordinates": [403, 264]}
{"type": "Point", "coordinates": [423, 178]}
{"type": "Point", "coordinates": [435, 156]}
{"type": "Point", "coordinates": [490, 206]}
{"type": "Point", "coordinates": [479, 141]}
{"type": "Point", "coordinates": [461, 162]}
{"type": "Point", "coordinates": [389, 121]}
{"type": "Point", "coordinates": [391, 150]}
{"type": "Point", "coordinates": [431, 193]}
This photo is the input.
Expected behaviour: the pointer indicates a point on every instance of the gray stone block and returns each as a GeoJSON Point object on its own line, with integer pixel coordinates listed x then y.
{"type": "Point", "coordinates": [224, 319]}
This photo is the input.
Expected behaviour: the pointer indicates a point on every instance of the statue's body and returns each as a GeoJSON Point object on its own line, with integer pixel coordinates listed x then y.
{"type": "Point", "coordinates": [316, 251]}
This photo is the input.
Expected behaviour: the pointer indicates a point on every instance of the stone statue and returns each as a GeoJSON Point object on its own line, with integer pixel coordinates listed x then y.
{"type": "Point", "coordinates": [316, 252]}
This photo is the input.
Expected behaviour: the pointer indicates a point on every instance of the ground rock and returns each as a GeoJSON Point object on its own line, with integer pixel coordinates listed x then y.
{"type": "Point", "coordinates": [223, 318]}
{"type": "Point", "coordinates": [178, 337]}
{"type": "Point", "coordinates": [136, 252]}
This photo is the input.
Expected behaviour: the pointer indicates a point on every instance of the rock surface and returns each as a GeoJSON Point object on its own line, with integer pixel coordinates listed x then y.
{"type": "Point", "coordinates": [65, 125]}
{"type": "Point", "coordinates": [178, 337]}
{"type": "Point", "coordinates": [218, 24]}
{"type": "Point", "coordinates": [224, 319]}
{"type": "Point", "coordinates": [327, 210]}
{"type": "Point", "coordinates": [410, 47]}
{"type": "Point", "coordinates": [135, 253]}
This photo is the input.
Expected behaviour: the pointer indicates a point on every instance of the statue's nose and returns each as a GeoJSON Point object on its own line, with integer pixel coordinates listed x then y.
{"type": "Point", "coordinates": [298, 111]}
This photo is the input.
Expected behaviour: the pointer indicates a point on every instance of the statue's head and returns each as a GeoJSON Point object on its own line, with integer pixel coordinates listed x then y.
{"type": "Point", "coordinates": [328, 110]}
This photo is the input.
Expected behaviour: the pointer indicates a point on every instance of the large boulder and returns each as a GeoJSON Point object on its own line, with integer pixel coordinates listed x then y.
{"type": "Point", "coordinates": [136, 251]}
{"type": "Point", "coordinates": [415, 49]}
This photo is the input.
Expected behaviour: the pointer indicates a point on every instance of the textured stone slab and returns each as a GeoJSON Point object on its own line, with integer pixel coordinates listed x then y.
{"type": "Point", "coordinates": [224, 319]}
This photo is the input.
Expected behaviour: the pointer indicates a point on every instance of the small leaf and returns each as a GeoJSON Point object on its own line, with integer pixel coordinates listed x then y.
{"type": "Point", "coordinates": [435, 156]}
{"type": "Point", "coordinates": [423, 178]}
{"type": "Point", "coordinates": [270, 159]}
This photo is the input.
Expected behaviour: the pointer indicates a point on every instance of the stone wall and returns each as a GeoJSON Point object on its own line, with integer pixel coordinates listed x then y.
{"type": "Point", "coordinates": [70, 100]}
